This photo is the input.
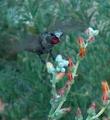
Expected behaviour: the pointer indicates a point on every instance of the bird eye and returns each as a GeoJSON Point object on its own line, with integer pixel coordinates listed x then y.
{"type": "Point", "coordinates": [52, 34]}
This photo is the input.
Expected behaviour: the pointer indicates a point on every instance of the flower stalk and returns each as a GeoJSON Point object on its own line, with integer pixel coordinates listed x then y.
{"type": "Point", "coordinates": [66, 67]}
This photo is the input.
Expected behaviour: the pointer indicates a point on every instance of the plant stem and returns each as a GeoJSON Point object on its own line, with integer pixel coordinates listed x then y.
{"type": "Point", "coordinates": [54, 93]}
{"type": "Point", "coordinates": [64, 98]}
{"type": "Point", "coordinates": [98, 114]}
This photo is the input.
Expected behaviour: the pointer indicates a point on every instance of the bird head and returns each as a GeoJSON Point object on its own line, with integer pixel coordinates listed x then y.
{"type": "Point", "coordinates": [55, 37]}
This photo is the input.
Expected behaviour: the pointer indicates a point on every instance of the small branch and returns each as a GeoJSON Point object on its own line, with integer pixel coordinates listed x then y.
{"type": "Point", "coordinates": [64, 98]}
{"type": "Point", "coordinates": [99, 114]}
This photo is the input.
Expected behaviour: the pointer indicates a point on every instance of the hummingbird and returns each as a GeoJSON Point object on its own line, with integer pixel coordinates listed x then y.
{"type": "Point", "coordinates": [45, 43]}
{"type": "Point", "coordinates": [39, 44]}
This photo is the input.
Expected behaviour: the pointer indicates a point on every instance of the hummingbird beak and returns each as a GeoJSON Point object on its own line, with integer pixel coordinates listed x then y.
{"type": "Point", "coordinates": [58, 34]}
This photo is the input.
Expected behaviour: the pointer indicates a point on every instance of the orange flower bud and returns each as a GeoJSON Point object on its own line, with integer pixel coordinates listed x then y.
{"type": "Point", "coordinates": [60, 75]}
{"type": "Point", "coordinates": [105, 91]}
{"type": "Point", "coordinates": [82, 52]}
{"type": "Point", "coordinates": [70, 62]}
{"type": "Point", "coordinates": [70, 76]}
{"type": "Point", "coordinates": [2, 106]}
{"type": "Point", "coordinates": [80, 41]}
{"type": "Point", "coordinates": [105, 87]}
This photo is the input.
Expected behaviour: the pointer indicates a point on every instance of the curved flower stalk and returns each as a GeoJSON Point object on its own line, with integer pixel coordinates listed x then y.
{"type": "Point", "coordinates": [92, 115]}
{"type": "Point", "coordinates": [66, 68]}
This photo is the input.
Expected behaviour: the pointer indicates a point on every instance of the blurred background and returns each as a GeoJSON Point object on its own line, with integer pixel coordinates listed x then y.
{"type": "Point", "coordinates": [24, 83]}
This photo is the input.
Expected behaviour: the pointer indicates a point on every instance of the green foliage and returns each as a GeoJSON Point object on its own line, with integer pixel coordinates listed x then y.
{"type": "Point", "coordinates": [24, 82]}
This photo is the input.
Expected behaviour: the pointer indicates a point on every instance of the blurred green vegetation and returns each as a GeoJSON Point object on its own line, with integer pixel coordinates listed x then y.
{"type": "Point", "coordinates": [24, 82]}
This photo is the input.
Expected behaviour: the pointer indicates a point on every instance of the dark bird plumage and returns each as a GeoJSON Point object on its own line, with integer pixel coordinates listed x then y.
{"type": "Point", "coordinates": [40, 44]}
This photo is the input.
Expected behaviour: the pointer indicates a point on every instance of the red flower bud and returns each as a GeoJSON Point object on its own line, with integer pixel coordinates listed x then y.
{"type": "Point", "coordinates": [91, 39]}
{"type": "Point", "coordinates": [105, 97]}
{"type": "Point", "coordinates": [70, 62]}
{"type": "Point", "coordinates": [61, 91]}
{"type": "Point", "coordinates": [60, 75]}
{"type": "Point", "coordinates": [78, 112]}
{"type": "Point", "coordinates": [80, 40]}
{"type": "Point", "coordinates": [70, 76]}
{"type": "Point", "coordinates": [93, 106]}
{"type": "Point", "coordinates": [67, 109]}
